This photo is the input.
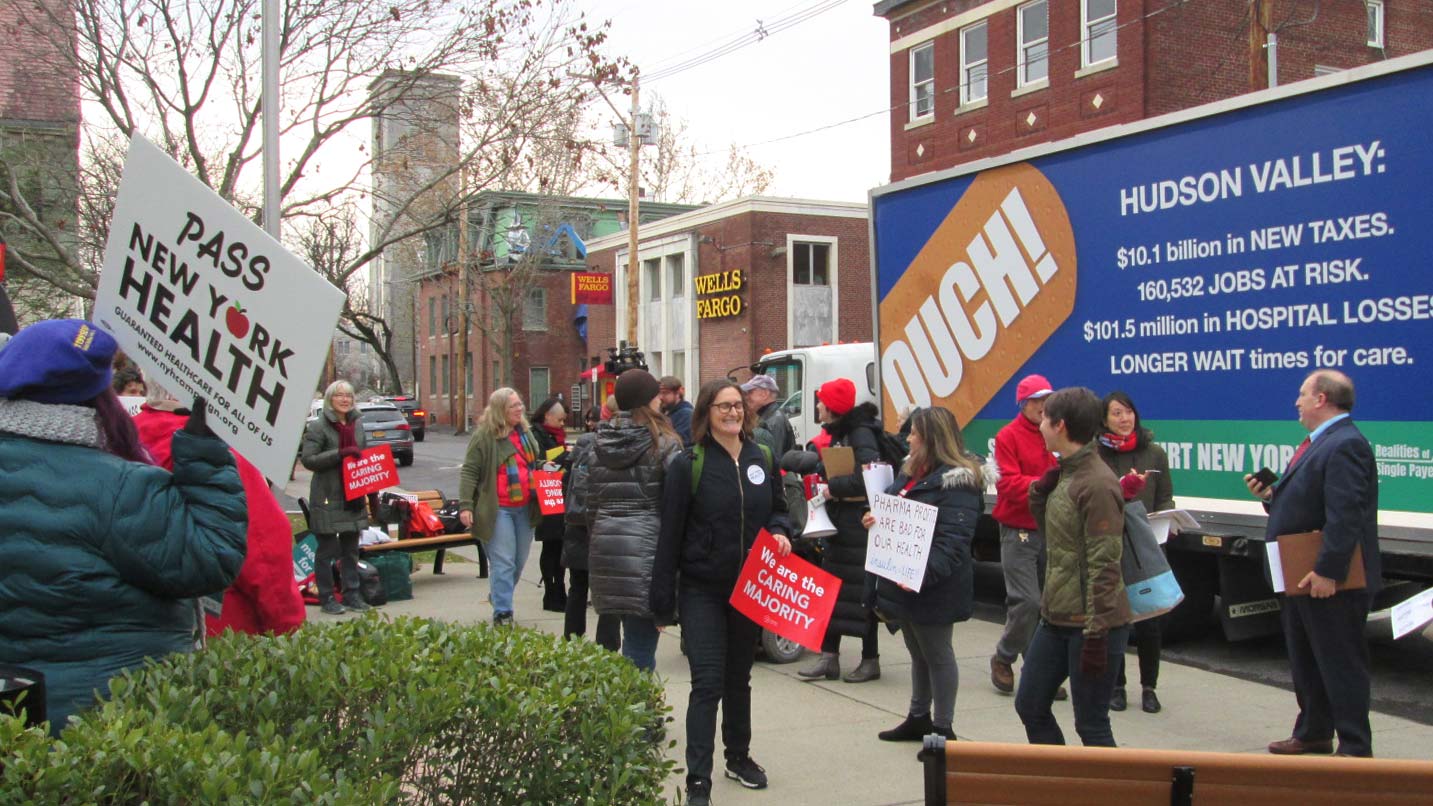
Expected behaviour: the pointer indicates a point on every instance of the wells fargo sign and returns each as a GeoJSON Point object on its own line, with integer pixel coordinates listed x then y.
{"type": "Point", "coordinates": [727, 284]}
{"type": "Point", "coordinates": [591, 288]}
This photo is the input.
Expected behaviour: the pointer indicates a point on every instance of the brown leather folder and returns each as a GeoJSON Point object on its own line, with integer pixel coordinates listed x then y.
{"type": "Point", "coordinates": [1299, 552]}
{"type": "Point", "coordinates": [840, 461]}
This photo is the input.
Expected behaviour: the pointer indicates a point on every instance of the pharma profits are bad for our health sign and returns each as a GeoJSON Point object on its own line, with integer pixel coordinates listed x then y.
{"type": "Point", "coordinates": [899, 544]}
{"type": "Point", "coordinates": [785, 595]}
{"type": "Point", "coordinates": [209, 305]}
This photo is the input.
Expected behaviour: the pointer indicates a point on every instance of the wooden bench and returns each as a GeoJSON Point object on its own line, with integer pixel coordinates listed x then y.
{"type": "Point", "coordinates": [996, 773]}
{"type": "Point", "coordinates": [438, 543]}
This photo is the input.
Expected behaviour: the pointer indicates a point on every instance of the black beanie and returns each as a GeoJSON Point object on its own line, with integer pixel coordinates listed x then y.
{"type": "Point", "coordinates": [635, 389]}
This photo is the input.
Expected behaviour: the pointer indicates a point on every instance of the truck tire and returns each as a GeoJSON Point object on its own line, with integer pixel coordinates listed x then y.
{"type": "Point", "coordinates": [1198, 576]}
{"type": "Point", "coordinates": [778, 649]}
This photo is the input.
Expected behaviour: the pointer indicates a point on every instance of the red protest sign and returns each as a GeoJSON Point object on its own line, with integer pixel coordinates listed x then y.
{"type": "Point", "coordinates": [547, 484]}
{"type": "Point", "coordinates": [786, 595]}
{"type": "Point", "coordinates": [372, 471]}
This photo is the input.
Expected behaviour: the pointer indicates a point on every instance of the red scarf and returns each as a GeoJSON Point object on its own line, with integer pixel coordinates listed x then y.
{"type": "Point", "coordinates": [558, 433]}
{"type": "Point", "coordinates": [1120, 444]}
{"type": "Point", "coordinates": [346, 438]}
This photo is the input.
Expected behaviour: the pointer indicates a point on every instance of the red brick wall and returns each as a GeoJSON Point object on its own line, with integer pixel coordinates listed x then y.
{"type": "Point", "coordinates": [1171, 56]}
{"type": "Point", "coordinates": [37, 82]}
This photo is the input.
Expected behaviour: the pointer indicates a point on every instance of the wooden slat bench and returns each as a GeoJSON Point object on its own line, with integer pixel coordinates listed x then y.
{"type": "Point", "coordinates": [996, 773]}
{"type": "Point", "coordinates": [438, 543]}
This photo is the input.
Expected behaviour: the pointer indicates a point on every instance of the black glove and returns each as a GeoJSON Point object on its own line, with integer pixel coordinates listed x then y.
{"type": "Point", "coordinates": [1094, 655]}
{"type": "Point", "coordinates": [1046, 484]}
{"type": "Point", "coordinates": [351, 452]}
{"type": "Point", "coordinates": [197, 424]}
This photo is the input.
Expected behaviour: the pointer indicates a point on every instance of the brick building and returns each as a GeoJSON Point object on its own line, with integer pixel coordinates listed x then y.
{"type": "Point", "coordinates": [720, 286]}
{"type": "Point", "coordinates": [39, 140]}
{"type": "Point", "coordinates": [972, 79]}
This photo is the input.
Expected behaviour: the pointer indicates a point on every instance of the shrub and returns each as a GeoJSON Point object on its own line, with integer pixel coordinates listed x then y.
{"type": "Point", "coordinates": [365, 711]}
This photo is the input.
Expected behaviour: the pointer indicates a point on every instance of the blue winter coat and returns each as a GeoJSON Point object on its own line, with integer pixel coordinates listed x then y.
{"type": "Point", "coordinates": [100, 558]}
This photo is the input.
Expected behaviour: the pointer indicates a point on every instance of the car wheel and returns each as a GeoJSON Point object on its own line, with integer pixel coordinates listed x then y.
{"type": "Point", "coordinates": [778, 649]}
{"type": "Point", "coordinates": [405, 459]}
{"type": "Point", "coordinates": [417, 436]}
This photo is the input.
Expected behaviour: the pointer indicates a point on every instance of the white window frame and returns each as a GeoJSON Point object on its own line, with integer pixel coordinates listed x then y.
{"type": "Point", "coordinates": [833, 280]}
{"type": "Point", "coordinates": [1085, 38]}
{"type": "Point", "coordinates": [1374, 10]}
{"type": "Point", "coordinates": [917, 86]}
{"type": "Point", "coordinates": [967, 67]}
{"type": "Point", "coordinates": [1024, 47]}
{"type": "Point", "coordinates": [529, 325]}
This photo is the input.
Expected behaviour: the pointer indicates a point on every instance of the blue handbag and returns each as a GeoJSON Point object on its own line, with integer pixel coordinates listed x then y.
{"type": "Point", "coordinates": [1149, 582]}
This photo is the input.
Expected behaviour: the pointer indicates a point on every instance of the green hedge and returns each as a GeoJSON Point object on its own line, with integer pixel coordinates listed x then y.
{"type": "Point", "coordinates": [364, 711]}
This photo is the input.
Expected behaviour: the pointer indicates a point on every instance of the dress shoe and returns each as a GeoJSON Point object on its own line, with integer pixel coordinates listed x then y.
{"type": "Point", "coordinates": [827, 666]}
{"type": "Point", "coordinates": [913, 729]}
{"type": "Point", "coordinates": [1149, 701]}
{"type": "Point", "coordinates": [1001, 675]}
{"type": "Point", "coordinates": [1118, 700]}
{"type": "Point", "coordinates": [1295, 747]}
{"type": "Point", "coordinates": [869, 669]}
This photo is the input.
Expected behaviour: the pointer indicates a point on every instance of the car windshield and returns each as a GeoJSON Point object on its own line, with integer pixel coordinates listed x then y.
{"type": "Point", "coordinates": [380, 414]}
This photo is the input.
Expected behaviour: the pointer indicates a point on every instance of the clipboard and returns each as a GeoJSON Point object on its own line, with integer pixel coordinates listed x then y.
{"type": "Point", "coordinates": [1299, 552]}
{"type": "Point", "coordinates": [840, 461]}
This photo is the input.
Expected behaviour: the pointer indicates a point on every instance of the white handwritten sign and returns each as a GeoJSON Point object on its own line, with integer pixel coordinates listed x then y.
{"type": "Point", "coordinates": [208, 304]}
{"type": "Point", "coordinates": [1412, 613]}
{"type": "Point", "coordinates": [899, 544]}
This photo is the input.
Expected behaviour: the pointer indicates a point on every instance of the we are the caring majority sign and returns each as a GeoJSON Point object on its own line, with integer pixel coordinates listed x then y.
{"type": "Point", "coordinates": [786, 595]}
{"type": "Point", "coordinates": [208, 304]}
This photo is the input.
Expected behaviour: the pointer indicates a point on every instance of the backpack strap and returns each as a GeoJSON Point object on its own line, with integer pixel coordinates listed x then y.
{"type": "Point", "coordinates": [699, 459]}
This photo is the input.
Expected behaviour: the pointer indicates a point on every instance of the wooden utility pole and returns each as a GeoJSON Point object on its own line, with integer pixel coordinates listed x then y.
{"type": "Point", "coordinates": [1261, 19]}
{"type": "Point", "coordinates": [634, 146]}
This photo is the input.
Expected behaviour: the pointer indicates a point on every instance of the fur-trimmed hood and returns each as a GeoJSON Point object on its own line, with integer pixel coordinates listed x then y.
{"type": "Point", "coordinates": [963, 478]}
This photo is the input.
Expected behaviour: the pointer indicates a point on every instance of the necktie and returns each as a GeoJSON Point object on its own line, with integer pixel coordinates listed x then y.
{"type": "Point", "coordinates": [1303, 446]}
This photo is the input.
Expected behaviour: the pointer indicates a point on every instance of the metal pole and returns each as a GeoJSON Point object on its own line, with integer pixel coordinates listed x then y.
{"type": "Point", "coordinates": [634, 145]}
{"type": "Point", "coordinates": [1273, 60]}
{"type": "Point", "coordinates": [462, 423]}
{"type": "Point", "coordinates": [270, 111]}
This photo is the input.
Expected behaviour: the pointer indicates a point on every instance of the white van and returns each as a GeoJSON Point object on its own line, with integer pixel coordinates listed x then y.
{"type": "Point", "coordinates": [800, 371]}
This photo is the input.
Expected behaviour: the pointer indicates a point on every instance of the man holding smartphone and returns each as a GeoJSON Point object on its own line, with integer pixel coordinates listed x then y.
{"type": "Point", "coordinates": [1330, 485]}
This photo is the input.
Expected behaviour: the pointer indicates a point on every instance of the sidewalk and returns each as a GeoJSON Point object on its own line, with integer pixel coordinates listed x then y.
{"type": "Point", "coordinates": [818, 742]}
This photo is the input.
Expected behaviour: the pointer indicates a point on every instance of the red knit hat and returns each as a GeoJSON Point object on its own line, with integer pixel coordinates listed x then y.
{"type": "Point", "coordinates": [1032, 387]}
{"type": "Point", "coordinates": [839, 396]}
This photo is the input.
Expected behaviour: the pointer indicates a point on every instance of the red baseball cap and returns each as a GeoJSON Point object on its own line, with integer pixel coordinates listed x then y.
{"type": "Point", "coordinates": [839, 396]}
{"type": "Point", "coordinates": [1032, 387]}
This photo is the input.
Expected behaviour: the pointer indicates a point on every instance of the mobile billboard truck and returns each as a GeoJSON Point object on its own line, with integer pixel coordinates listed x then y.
{"type": "Point", "coordinates": [1204, 262]}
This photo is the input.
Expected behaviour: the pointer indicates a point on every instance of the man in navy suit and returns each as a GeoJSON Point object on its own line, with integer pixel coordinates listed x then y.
{"type": "Point", "coordinates": [1331, 485]}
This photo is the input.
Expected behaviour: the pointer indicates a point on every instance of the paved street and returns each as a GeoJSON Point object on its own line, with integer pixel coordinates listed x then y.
{"type": "Point", "coordinates": [817, 740]}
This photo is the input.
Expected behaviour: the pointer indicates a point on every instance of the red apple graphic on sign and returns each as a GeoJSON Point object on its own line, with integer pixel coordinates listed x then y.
{"type": "Point", "coordinates": [236, 320]}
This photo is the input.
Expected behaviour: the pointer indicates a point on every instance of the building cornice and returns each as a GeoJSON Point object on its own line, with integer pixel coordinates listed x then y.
{"type": "Point", "coordinates": [717, 212]}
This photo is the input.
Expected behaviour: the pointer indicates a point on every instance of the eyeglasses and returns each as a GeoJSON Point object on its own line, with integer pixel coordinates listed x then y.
{"type": "Point", "coordinates": [728, 408]}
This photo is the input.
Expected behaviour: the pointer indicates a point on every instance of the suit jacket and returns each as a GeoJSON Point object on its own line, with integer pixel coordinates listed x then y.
{"type": "Point", "coordinates": [1333, 487]}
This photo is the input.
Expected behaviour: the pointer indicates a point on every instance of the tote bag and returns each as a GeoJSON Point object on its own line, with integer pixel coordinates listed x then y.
{"type": "Point", "coordinates": [1149, 582]}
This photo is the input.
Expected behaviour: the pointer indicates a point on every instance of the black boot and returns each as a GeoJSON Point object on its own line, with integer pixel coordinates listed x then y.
{"type": "Point", "coordinates": [913, 729]}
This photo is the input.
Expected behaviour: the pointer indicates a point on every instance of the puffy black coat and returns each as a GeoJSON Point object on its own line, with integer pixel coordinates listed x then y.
{"type": "Point", "coordinates": [574, 496]}
{"type": "Point", "coordinates": [949, 583]}
{"type": "Point", "coordinates": [706, 536]}
{"type": "Point", "coordinates": [845, 554]}
{"type": "Point", "coordinates": [624, 494]}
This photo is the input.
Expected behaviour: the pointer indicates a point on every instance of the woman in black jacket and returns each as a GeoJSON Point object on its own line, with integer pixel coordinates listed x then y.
{"type": "Point", "coordinates": [549, 427]}
{"type": "Point", "coordinates": [574, 537]}
{"type": "Point", "coordinates": [938, 472]}
{"type": "Point", "coordinates": [708, 527]}
{"type": "Point", "coordinates": [853, 426]}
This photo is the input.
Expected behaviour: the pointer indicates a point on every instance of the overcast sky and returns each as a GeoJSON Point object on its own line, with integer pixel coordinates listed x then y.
{"type": "Point", "coordinates": [820, 71]}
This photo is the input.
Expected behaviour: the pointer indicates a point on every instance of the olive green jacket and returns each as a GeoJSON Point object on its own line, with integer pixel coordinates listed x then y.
{"type": "Point", "coordinates": [1083, 523]}
{"type": "Point", "coordinates": [327, 511]}
{"type": "Point", "coordinates": [478, 482]}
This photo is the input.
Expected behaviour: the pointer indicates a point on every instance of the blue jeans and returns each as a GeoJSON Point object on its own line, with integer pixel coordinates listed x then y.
{"type": "Point", "coordinates": [639, 641]}
{"type": "Point", "coordinates": [507, 554]}
{"type": "Point", "coordinates": [1053, 655]}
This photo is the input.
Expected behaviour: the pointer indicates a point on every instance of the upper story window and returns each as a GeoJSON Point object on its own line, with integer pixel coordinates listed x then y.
{"type": "Point", "coordinates": [923, 81]}
{"type": "Point", "coordinates": [1033, 58]}
{"type": "Point", "coordinates": [1375, 23]}
{"type": "Point", "coordinates": [1098, 30]}
{"type": "Point", "coordinates": [811, 264]}
{"type": "Point", "coordinates": [534, 309]}
{"type": "Point", "coordinates": [974, 64]}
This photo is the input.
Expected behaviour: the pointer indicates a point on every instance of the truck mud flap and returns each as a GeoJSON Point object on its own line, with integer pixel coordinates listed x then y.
{"type": "Point", "coordinates": [1248, 607]}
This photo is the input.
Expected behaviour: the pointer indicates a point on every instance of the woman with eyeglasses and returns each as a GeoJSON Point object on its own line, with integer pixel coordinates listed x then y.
{"type": "Point", "coordinates": [334, 435]}
{"type": "Point", "coordinates": [938, 472]}
{"type": "Point", "coordinates": [717, 496]}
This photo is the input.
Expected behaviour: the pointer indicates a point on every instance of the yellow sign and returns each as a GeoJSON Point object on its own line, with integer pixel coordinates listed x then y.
{"type": "Point", "coordinates": [726, 283]}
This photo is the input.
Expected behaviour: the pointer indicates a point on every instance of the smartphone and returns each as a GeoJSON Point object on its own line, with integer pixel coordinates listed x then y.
{"type": "Point", "coordinates": [1266, 477]}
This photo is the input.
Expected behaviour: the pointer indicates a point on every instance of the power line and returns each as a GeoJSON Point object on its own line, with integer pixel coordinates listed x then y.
{"type": "Point", "coordinates": [761, 32]}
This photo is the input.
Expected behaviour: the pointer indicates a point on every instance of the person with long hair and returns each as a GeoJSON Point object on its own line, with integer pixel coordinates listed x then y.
{"type": "Point", "coordinates": [104, 553]}
{"type": "Point", "coordinates": [1143, 468]}
{"type": "Point", "coordinates": [496, 497]}
{"type": "Point", "coordinates": [709, 524]}
{"type": "Point", "coordinates": [624, 497]}
{"type": "Point", "coordinates": [264, 598]}
{"type": "Point", "coordinates": [334, 435]}
{"type": "Point", "coordinates": [574, 537]}
{"type": "Point", "coordinates": [549, 427]}
{"type": "Point", "coordinates": [941, 473]}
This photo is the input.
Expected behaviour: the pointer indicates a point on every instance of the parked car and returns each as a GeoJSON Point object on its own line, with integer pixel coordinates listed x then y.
{"type": "Point", "coordinates": [386, 425]}
{"type": "Point", "coordinates": [417, 417]}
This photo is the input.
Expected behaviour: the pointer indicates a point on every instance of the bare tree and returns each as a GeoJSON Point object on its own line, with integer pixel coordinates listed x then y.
{"type": "Point", "coordinates": [185, 74]}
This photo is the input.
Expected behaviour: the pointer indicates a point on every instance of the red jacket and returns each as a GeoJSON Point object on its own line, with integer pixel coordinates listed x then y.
{"type": "Point", "coordinates": [1022, 457]}
{"type": "Point", "coordinates": [264, 598]}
